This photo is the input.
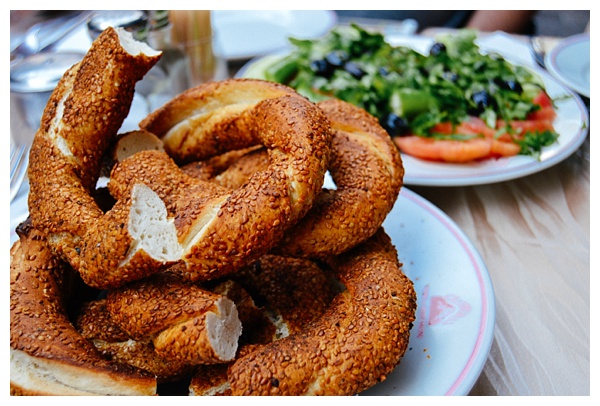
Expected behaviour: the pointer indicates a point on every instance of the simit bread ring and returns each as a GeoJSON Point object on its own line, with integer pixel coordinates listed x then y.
{"type": "Point", "coordinates": [217, 117]}
{"type": "Point", "coordinates": [221, 230]}
{"type": "Point", "coordinates": [96, 325]}
{"type": "Point", "coordinates": [357, 342]}
{"type": "Point", "coordinates": [365, 166]}
{"type": "Point", "coordinates": [238, 113]}
{"type": "Point", "coordinates": [81, 118]}
{"type": "Point", "coordinates": [293, 291]}
{"type": "Point", "coordinates": [47, 355]}
{"type": "Point", "coordinates": [184, 322]}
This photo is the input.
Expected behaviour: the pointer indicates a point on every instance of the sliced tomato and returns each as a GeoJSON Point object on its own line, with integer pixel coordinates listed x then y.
{"type": "Point", "coordinates": [489, 143]}
{"type": "Point", "coordinates": [445, 150]}
{"type": "Point", "coordinates": [503, 149]}
{"type": "Point", "coordinates": [546, 111]}
{"type": "Point", "coordinates": [522, 127]}
{"type": "Point", "coordinates": [476, 126]}
{"type": "Point", "coordinates": [543, 100]}
{"type": "Point", "coordinates": [472, 126]}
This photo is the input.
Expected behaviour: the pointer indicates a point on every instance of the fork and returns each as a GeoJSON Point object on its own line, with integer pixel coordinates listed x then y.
{"type": "Point", "coordinates": [537, 51]}
{"type": "Point", "coordinates": [18, 167]}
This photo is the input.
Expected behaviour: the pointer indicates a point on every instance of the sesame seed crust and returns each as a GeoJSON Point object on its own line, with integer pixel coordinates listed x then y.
{"type": "Point", "coordinates": [174, 314]}
{"type": "Point", "coordinates": [365, 166]}
{"type": "Point", "coordinates": [79, 122]}
{"type": "Point", "coordinates": [359, 340]}
{"type": "Point", "coordinates": [48, 356]}
{"type": "Point", "coordinates": [96, 324]}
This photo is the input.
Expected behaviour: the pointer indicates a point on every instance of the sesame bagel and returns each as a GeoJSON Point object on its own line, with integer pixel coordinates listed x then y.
{"type": "Point", "coordinates": [365, 166]}
{"type": "Point", "coordinates": [218, 117]}
{"type": "Point", "coordinates": [47, 354]}
{"type": "Point", "coordinates": [221, 230]}
{"type": "Point", "coordinates": [95, 324]}
{"type": "Point", "coordinates": [355, 344]}
{"type": "Point", "coordinates": [206, 120]}
{"type": "Point", "coordinates": [185, 322]}
{"type": "Point", "coordinates": [80, 121]}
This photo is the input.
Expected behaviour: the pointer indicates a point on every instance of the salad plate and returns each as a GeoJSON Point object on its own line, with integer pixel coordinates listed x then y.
{"type": "Point", "coordinates": [569, 62]}
{"type": "Point", "coordinates": [571, 123]}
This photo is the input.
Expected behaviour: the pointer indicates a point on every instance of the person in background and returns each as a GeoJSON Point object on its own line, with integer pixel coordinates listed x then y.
{"type": "Point", "coordinates": [514, 21]}
{"type": "Point", "coordinates": [511, 21]}
{"type": "Point", "coordinates": [561, 23]}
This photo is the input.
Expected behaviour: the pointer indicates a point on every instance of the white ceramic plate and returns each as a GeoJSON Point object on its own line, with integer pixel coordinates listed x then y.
{"type": "Point", "coordinates": [244, 34]}
{"type": "Point", "coordinates": [571, 124]}
{"type": "Point", "coordinates": [454, 328]}
{"type": "Point", "coordinates": [569, 62]}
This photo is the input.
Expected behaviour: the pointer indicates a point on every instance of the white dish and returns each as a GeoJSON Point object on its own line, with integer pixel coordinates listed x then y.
{"type": "Point", "coordinates": [571, 123]}
{"type": "Point", "coordinates": [569, 62]}
{"type": "Point", "coordinates": [454, 329]}
{"type": "Point", "coordinates": [244, 34]}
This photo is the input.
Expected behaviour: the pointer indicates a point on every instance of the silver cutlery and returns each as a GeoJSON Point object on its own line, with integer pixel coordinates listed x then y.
{"type": "Point", "coordinates": [537, 51]}
{"type": "Point", "coordinates": [46, 35]}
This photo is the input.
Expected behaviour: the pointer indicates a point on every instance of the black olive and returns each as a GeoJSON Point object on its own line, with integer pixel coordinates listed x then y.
{"type": "Point", "coordinates": [394, 125]}
{"type": "Point", "coordinates": [509, 84]}
{"type": "Point", "coordinates": [515, 86]}
{"type": "Point", "coordinates": [322, 68]}
{"type": "Point", "coordinates": [354, 70]}
{"type": "Point", "coordinates": [336, 58]}
{"type": "Point", "coordinates": [481, 99]}
{"type": "Point", "coordinates": [437, 49]}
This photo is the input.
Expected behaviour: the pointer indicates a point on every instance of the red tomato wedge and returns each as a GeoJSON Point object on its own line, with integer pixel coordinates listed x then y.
{"type": "Point", "coordinates": [485, 143]}
{"type": "Point", "coordinates": [445, 150]}
{"type": "Point", "coordinates": [520, 128]}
